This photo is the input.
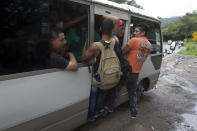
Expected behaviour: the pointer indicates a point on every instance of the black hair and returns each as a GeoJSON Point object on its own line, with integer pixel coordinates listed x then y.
{"type": "Point", "coordinates": [142, 27]}
{"type": "Point", "coordinates": [55, 32]}
{"type": "Point", "coordinates": [107, 26]}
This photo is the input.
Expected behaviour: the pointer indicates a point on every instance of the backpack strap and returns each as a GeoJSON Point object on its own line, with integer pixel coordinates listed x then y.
{"type": "Point", "coordinates": [102, 44]}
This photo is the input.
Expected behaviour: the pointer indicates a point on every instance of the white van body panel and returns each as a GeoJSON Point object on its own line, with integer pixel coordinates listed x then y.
{"type": "Point", "coordinates": [40, 101]}
{"type": "Point", "coordinates": [27, 98]}
{"type": "Point", "coordinates": [103, 10]}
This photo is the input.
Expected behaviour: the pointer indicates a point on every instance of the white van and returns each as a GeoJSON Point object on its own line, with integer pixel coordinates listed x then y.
{"type": "Point", "coordinates": [34, 96]}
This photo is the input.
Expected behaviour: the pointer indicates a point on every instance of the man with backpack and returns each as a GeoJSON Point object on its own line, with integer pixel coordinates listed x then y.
{"type": "Point", "coordinates": [106, 70]}
{"type": "Point", "coordinates": [113, 96]}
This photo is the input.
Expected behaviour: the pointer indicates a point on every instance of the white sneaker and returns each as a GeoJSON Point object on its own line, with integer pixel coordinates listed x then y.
{"type": "Point", "coordinates": [133, 117]}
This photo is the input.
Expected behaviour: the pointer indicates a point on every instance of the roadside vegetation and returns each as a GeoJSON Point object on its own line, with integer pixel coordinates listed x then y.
{"type": "Point", "coordinates": [191, 48]}
{"type": "Point", "coordinates": [182, 28]}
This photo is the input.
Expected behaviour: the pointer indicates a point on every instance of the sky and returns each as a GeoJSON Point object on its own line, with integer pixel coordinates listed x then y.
{"type": "Point", "coordinates": [168, 8]}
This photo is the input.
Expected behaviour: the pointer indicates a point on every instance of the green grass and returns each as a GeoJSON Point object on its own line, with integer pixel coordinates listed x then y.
{"type": "Point", "coordinates": [191, 48]}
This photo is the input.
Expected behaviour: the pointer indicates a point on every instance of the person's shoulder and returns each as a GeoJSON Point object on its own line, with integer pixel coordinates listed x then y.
{"type": "Point", "coordinates": [53, 55]}
{"type": "Point", "coordinates": [95, 46]}
{"type": "Point", "coordinates": [58, 61]}
{"type": "Point", "coordinates": [56, 56]}
{"type": "Point", "coordinates": [134, 39]}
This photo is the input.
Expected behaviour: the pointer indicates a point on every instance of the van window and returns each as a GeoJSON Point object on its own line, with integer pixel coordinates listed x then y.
{"type": "Point", "coordinates": [25, 28]}
{"type": "Point", "coordinates": [153, 35]}
{"type": "Point", "coordinates": [23, 25]}
{"type": "Point", "coordinates": [73, 19]}
{"type": "Point", "coordinates": [120, 32]}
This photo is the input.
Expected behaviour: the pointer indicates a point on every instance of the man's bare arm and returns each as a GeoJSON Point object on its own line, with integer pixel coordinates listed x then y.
{"type": "Point", "coordinates": [74, 21]}
{"type": "Point", "coordinates": [92, 51]}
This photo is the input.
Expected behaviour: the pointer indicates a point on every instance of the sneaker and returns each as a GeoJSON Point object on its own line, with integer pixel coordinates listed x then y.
{"type": "Point", "coordinates": [91, 119]}
{"type": "Point", "coordinates": [104, 113]}
{"type": "Point", "coordinates": [133, 117]}
{"type": "Point", "coordinates": [99, 113]}
{"type": "Point", "coordinates": [108, 109]}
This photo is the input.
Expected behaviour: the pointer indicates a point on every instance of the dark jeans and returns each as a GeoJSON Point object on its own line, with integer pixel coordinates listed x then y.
{"type": "Point", "coordinates": [113, 95]}
{"type": "Point", "coordinates": [131, 88]}
{"type": "Point", "coordinates": [96, 101]}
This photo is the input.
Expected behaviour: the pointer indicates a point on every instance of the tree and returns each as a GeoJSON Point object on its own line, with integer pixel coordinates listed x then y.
{"type": "Point", "coordinates": [183, 28]}
{"type": "Point", "coordinates": [128, 2]}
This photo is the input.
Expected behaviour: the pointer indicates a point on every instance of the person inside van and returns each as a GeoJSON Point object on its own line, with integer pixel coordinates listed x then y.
{"type": "Point", "coordinates": [96, 94]}
{"type": "Point", "coordinates": [58, 57]}
{"type": "Point", "coordinates": [121, 33]}
{"type": "Point", "coordinates": [137, 50]}
{"type": "Point", "coordinates": [77, 36]}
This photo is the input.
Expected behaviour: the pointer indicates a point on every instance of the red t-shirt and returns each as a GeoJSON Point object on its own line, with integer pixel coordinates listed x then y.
{"type": "Point", "coordinates": [140, 48]}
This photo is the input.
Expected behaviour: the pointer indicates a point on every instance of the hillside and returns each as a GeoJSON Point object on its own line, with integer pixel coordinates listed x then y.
{"type": "Point", "coordinates": [167, 21]}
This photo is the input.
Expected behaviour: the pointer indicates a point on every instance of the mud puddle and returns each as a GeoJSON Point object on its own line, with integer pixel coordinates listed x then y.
{"type": "Point", "coordinates": [190, 121]}
{"type": "Point", "coordinates": [175, 77]}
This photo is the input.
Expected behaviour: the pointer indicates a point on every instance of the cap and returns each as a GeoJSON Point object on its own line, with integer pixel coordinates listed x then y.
{"type": "Point", "coordinates": [121, 23]}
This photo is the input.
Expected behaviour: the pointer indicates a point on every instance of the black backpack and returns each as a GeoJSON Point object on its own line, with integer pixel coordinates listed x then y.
{"type": "Point", "coordinates": [125, 66]}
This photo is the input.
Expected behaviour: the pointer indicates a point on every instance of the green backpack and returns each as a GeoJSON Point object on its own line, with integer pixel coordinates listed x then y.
{"type": "Point", "coordinates": [109, 70]}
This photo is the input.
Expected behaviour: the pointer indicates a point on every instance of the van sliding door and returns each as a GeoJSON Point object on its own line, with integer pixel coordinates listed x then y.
{"type": "Point", "coordinates": [33, 95]}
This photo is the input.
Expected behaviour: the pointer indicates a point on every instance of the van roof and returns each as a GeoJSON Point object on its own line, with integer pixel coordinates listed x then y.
{"type": "Point", "coordinates": [126, 7]}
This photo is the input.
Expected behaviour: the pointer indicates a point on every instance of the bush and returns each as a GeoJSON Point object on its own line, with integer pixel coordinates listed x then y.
{"type": "Point", "coordinates": [191, 48]}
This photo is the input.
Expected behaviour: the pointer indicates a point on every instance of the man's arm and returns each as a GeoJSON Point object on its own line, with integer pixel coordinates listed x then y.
{"type": "Point", "coordinates": [74, 21]}
{"type": "Point", "coordinates": [72, 65]}
{"type": "Point", "coordinates": [126, 50]}
{"type": "Point", "coordinates": [90, 52]}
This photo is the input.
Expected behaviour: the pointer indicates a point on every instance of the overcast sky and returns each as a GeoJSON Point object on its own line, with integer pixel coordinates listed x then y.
{"type": "Point", "coordinates": [168, 8]}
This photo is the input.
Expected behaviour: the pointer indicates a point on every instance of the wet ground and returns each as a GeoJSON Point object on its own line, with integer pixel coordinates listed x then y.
{"type": "Point", "coordinates": [170, 107]}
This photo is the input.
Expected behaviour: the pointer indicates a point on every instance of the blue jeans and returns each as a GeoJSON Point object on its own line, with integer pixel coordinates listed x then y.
{"type": "Point", "coordinates": [131, 88]}
{"type": "Point", "coordinates": [95, 101]}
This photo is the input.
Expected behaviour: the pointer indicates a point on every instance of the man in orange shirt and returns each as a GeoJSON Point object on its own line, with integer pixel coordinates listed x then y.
{"type": "Point", "coordinates": [136, 51]}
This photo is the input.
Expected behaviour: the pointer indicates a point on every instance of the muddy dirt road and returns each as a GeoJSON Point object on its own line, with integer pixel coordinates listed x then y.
{"type": "Point", "coordinates": [170, 107]}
